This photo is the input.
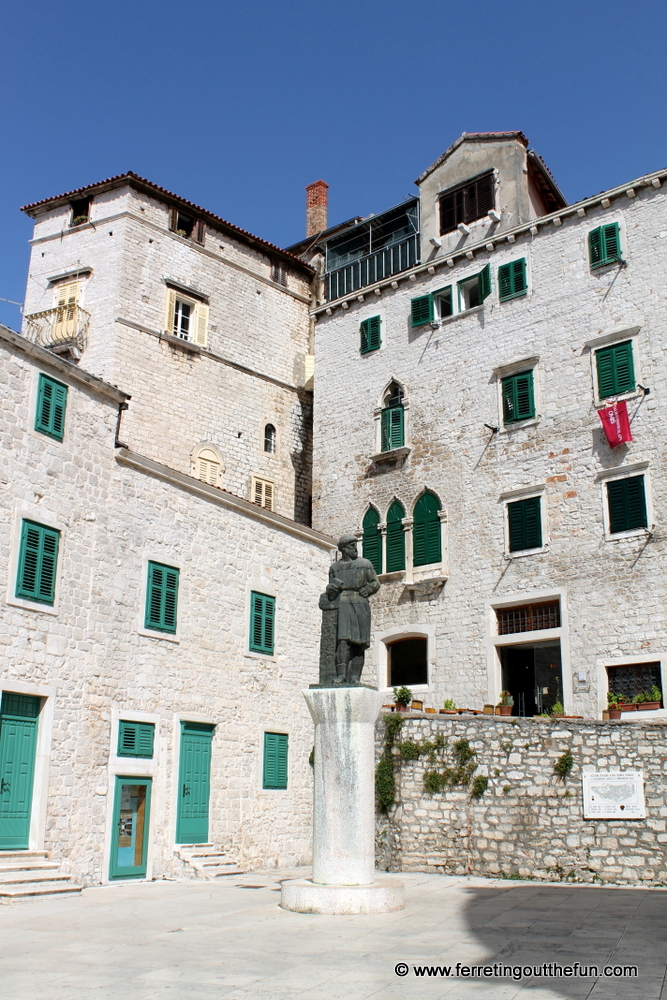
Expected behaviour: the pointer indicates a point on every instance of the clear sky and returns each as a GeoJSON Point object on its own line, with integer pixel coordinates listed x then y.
{"type": "Point", "coordinates": [238, 104]}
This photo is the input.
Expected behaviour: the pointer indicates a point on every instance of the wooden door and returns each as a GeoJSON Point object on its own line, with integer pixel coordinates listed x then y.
{"type": "Point", "coordinates": [194, 783]}
{"type": "Point", "coordinates": [18, 742]}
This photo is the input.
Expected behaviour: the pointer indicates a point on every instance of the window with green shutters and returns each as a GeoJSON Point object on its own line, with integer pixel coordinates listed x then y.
{"type": "Point", "coordinates": [393, 428]}
{"type": "Point", "coordinates": [135, 739]}
{"type": "Point", "coordinates": [524, 518]}
{"type": "Point", "coordinates": [38, 561]}
{"type": "Point", "coordinates": [426, 543]}
{"type": "Point", "coordinates": [421, 310]}
{"type": "Point", "coordinates": [395, 538]}
{"type": "Point", "coordinates": [275, 760]}
{"type": "Point", "coordinates": [616, 370]}
{"type": "Point", "coordinates": [161, 598]}
{"type": "Point", "coordinates": [604, 245]}
{"type": "Point", "coordinates": [372, 539]}
{"type": "Point", "coordinates": [51, 404]}
{"type": "Point", "coordinates": [627, 504]}
{"type": "Point", "coordinates": [518, 397]}
{"type": "Point", "coordinates": [512, 280]}
{"type": "Point", "coordinates": [473, 291]}
{"type": "Point", "coordinates": [369, 335]}
{"type": "Point", "coordinates": [262, 623]}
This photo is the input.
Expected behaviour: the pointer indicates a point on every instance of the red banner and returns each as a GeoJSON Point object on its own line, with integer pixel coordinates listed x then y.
{"type": "Point", "coordinates": [616, 424]}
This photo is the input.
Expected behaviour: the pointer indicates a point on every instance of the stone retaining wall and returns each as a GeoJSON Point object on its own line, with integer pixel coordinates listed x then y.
{"type": "Point", "coordinates": [529, 822]}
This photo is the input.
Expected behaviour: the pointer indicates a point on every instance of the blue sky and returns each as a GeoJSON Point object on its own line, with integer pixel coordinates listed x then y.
{"type": "Point", "coordinates": [238, 104]}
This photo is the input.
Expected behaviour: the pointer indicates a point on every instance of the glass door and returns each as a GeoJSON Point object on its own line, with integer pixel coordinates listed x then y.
{"type": "Point", "coordinates": [131, 817]}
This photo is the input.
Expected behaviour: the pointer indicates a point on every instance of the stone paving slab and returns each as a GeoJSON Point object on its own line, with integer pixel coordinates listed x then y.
{"type": "Point", "coordinates": [229, 940]}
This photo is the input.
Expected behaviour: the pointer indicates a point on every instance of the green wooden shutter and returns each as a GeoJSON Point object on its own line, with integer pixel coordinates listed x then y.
{"type": "Point", "coordinates": [395, 538]}
{"type": "Point", "coordinates": [504, 282]}
{"type": "Point", "coordinates": [38, 561]}
{"type": "Point", "coordinates": [370, 336]}
{"type": "Point", "coordinates": [135, 739]}
{"type": "Point", "coordinates": [392, 428]}
{"type": "Point", "coordinates": [426, 544]}
{"type": "Point", "coordinates": [161, 598]}
{"type": "Point", "coordinates": [518, 397]}
{"type": "Point", "coordinates": [485, 283]}
{"type": "Point", "coordinates": [51, 404]}
{"type": "Point", "coordinates": [615, 368]}
{"type": "Point", "coordinates": [512, 280]}
{"type": "Point", "coordinates": [525, 524]}
{"type": "Point", "coordinates": [372, 539]}
{"type": "Point", "coordinates": [275, 760]}
{"type": "Point", "coordinates": [604, 245]}
{"type": "Point", "coordinates": [627, 504]}
{"type": "Point", "coordinates": [262, 623]}
{"type": "Point", "coordinates": [595, 248]}
{"type": "Point", "coordinates": [422, 310]}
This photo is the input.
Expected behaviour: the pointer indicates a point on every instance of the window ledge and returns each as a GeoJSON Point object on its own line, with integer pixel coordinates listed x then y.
{"type": "Point", "coordinates": [185, 345]}
{"type": "Point", "coordinates": [398, 574]}
{"type": "Point", "coordinates": [156, 634]}
{"type": "Point", "coordinates": [516, 295]}
{"type": "Point", "coordinates": [526, 552]}
{"type": "Point", "coordinates": [516, 425]}
{"type": "Point", "coordinates": [395, 455]}
{"type": "Point", "coordinates": [620, 536]}
{"type": "Point", "coordinates": [627, 396]}
{"type": "Point", "coordinates": [609, 263]}
{"type": "Point", "coordinates": [27, 605]}
{"type": "Point", "coordinates": [459, 315]}
{"type": "Point", "coordinates": [251, 654]}
{"type": "Point", "coordinates": [428, 587]}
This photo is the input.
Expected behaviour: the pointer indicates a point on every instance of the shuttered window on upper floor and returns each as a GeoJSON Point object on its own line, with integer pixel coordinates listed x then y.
{"type": "Point", "coordinates": [395, 538]}
{"type": "Point", "coordinates": [518, 397]}
{"type": "Point", "coordinates": [161, 598]}
{"type": "Point", "coordinates": [372, 539]}
{"type": "Point", "coordinates": [262, 623]}
{"type": "Point", "coordinates": [524, 519]}
{"type": "Point", "coordinates": [604, 245]}
{"type": "Point", "coordinates": [51, 405]}
{"type": "Point", "coordinates": [393, 428]}
{"type": "Point", "coordinates": [472, 200]}
{"type": "Point", "coordinates": [426, 533]}
{"type": "Point", "coordinates": [615, 369]}
{"type": "Point", "coordinates": [512, 282]}
{"type": "Point", "coordinates": [275, 760]}
{"type": "Point", "coordinates": [627, 504]}
{"type": "Point", "coordinates": [135, 739]}
{"type": "Point", "coordinates": [37, 563]}
{"type": "Point", "coordinates": [262, 492]}
{"type": "Point", "coordinates": [186, 318]}
{"type": "Point", "coordinates": [370, 337]}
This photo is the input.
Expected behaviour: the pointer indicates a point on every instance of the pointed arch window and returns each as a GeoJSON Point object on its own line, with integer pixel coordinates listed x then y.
{"type": "Point", "coordinates": [372, 539]}
{"type": "Point", "coordinates": [395, 538]}
{"type": "Point", "coordinates": [426, 542]}
{"type": "Point", "coordinates": [393, 418]}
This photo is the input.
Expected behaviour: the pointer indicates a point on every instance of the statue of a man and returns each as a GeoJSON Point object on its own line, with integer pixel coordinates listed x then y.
{"type": "Point", "coordinates": [352, 580]}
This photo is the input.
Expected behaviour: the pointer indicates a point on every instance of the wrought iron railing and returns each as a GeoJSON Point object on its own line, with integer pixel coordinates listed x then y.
{"type": "Point", "coordinates": [66, 324]}
{"type": "Point", "coordinates": [374, 267]}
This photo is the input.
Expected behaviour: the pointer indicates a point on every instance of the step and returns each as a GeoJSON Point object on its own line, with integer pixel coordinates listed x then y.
{"type": "Point", "coordinates": [9, 878]}
{"type": "Point", "coordinates": [201, 852]}
{"type": "Point", "coordinates": [217, 870]}
{"type": "Point", "coordinates": [27, 866]}
{"type": "Point", "coordinates": [39, 889]}
{"type": "Point", "coordinates": [22, 855]}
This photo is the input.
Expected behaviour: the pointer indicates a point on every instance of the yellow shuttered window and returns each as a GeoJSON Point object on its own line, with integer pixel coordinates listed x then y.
{"type": "Point", "coordinates": [262, 492]}
{"type": "Point", "coordinates": [67, 300]}
{"type": "Point", "coordinates": [186, 319]}
{"type": "Point", "coordinates": [208, 467]}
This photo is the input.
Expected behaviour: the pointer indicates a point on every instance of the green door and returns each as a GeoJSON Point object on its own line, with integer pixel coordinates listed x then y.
{"type": "Point", "coordinates": [18, 740]}
{"type": "Point", "coordinates": [131, 819]}
{"type": "Point", "coordinates": [194, 783]}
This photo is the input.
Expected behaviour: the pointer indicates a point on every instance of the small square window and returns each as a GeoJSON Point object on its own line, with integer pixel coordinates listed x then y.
{"type": "Point", "coordinates": [279, 273]}
{"type": "Point", "coordinates": [604, 245]}
{"type": "Point", "coordinates": [262, 492]}
{"type": "Point", "coordinates": [187, 226]}
{"type": "Point", "coordinates": [524, 523]}
{"type": "Point", "coordinates": [51, 406]}
{"type": "Point", "coordinates": [187, 318]}
{"type": "Point", "coordinates": [626, 499]}
{"type": "Point", "coordinates": [512, 281]}
{"type": "Point", "coordinates": [135, 739]}
{"type": "Point", "coordinates": [275, 760]}
{"type": "Point", "coordinates": [80, 211]}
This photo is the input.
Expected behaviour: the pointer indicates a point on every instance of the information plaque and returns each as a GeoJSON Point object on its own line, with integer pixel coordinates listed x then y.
{"type": "Point", "coordinates": [614, 795]}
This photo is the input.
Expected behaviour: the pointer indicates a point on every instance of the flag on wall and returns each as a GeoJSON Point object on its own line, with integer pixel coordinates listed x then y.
{"type": "Point", "coordinates": [616, 423]}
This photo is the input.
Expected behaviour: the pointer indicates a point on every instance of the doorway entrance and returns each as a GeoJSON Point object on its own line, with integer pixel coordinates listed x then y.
{"type": "Point", "coordinates": [194, 783]}
{"type": "Point", "coordinates": [18, 743]}
{"type": "Point", "coordinates": [131, 817]}
{"type": "Point", "coordinates": [532, 674]}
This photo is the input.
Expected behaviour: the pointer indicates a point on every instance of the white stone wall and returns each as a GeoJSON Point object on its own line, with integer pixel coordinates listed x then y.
{"type": "Point", "coordinates": [610, 589]}
{"type": "Point", "coordinates": [181, 398]}
{"type": "Point", "coordinates": [94, 651]}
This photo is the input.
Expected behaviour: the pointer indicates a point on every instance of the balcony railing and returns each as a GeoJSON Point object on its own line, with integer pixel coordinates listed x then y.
{"type": "Point", "coordinates": [55, 327]}
{"type": "Point", "coordinates": [374, 267]}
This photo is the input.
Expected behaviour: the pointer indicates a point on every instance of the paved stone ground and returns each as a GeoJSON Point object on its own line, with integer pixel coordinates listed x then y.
{"type": "Point", "coordinates": [229, 939]}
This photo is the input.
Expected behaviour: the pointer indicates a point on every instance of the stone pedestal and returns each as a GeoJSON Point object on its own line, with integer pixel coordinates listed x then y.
{"type": "Point", "coordinates": [343, 809]}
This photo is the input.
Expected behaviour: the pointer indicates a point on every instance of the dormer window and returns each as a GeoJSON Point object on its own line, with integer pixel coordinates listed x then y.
{"type": "Point", "coordinates": [80, 211]}
{"type": "Point", "coordinates": [466, 203]}
{"type": "Point", "coordinates": [187, 226]}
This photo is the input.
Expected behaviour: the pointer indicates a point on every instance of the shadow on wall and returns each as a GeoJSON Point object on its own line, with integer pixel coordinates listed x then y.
{"type": "Point", "coordinates": [536, 925]}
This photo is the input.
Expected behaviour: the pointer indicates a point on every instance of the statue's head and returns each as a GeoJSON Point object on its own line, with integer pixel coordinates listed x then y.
{"type": "Point", "coordinates": [348, 546]}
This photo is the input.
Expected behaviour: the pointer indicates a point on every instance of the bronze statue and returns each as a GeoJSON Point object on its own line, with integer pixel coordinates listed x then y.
{"type": "Point", "coordinates": [346, 616]}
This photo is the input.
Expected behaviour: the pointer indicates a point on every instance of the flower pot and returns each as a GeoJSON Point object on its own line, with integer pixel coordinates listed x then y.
{"type": "Point", "coordinates": [401, 708]}
{"type": "Point", "coordinates": [614, 713]}
{"type": "Point", "coordinates": [448, 711]}
{"type": "Point", "coordinates": [628, 708]}
{"type": "Point", "coordinates": [648, 706]}
{"type": "Point", "coordinates": [417, 706]}
{"type": "Point", "coordinates": [605, 714]}
{"type": "Point", "coordinates": [489, 709]}
{"type": "Point", "coordinates": [431, 711]}
{"type": "Point", "coordinates": [504, 709]}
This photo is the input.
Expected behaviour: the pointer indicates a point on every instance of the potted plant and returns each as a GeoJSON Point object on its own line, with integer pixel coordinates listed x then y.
{"type": "Point", "coordinates": [558, 710]}
{"type": "Point", "coordinates": [505, 703]}
{"type": "Point", "coordinates": [613, 705]}
{"type": "Point", "coordinates": [402, 698]}
{"type": "Point", "coordinates": [448, 707]}
{"type": "Point", "coordinates": [652, 699]}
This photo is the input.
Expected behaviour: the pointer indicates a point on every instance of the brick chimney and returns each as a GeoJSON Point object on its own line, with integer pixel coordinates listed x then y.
{"type": "Point", "coordinates": [316, 207]}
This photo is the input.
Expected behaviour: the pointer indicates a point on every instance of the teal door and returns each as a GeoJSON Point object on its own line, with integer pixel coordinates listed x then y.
{"type": "Point", "coordinates": [18, 741]}
{"type": "Point", "coordinates": [194, 783]}
{"type": "Point", "coordinates": [131, 820]}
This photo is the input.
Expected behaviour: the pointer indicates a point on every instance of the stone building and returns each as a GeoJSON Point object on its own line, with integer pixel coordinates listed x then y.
{"type": "Point", "coordinates": [160, 579]}
{"type": "Point", "coordinates": [464, 342]}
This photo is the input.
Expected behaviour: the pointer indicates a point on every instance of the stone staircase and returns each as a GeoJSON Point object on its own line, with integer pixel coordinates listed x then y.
{"type": "Point", "coordinates": [207, 861]}
{"type": "Point", "coordinates": [31, 873]}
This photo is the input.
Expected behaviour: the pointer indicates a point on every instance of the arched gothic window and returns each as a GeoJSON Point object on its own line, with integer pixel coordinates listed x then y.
{"type": "Point", "coordinates": [372, 539]}
{"type": "Point", "coordinates": [395, 538]}
{"type": "Point", "coordinates": [426, 544]}
{"type": "Point", "coordinates": [270, 439]}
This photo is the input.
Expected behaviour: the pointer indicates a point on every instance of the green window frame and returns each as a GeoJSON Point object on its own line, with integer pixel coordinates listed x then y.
{"type": "Point", "coordinates": [615, 369]}
{"type": "Point", "coordinates": [524, 521]}
{"type": "Point", "coordinates": [51, 406]}
{"type": "Point", "coordinates": [370, 335]}
{"type": "Point", "coordinates": [512, 281]}
{"type": "Point", "coordinates": [371, 544]}
{"type": "Point", "coordinates": [38, 563]}
{"type": "Point", "coordinates": [161, 598]}
{"type": "Point", "coordinates": [395, 537]}
{"type": "Point", "coordinates": [275, 760]}
{"type": "Point", "coordinates": [262, 623]}
{"type": "Point", "coordinates": [426, 534]}
{"type": "Point", "coordinates": [135, 739]}
{"type": "Point", "coordinates": [483, 287]}
{"type": "Point", "coordinates": [626, 500]}
{"type": "Point", "coordinates": [392, 427]}
{"type": "Point", "coordinates": [604, 245]}
{"type": "Point", "coordinates": [518, 397]}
